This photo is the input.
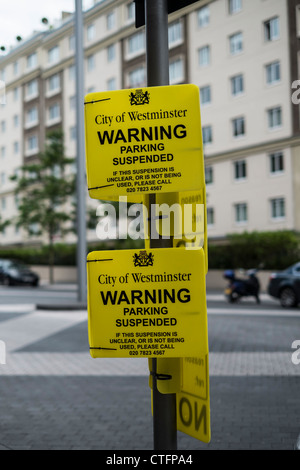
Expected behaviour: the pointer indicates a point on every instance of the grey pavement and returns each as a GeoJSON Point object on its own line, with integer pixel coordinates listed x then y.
{"type": "Point", "coordinates": [55, 396]}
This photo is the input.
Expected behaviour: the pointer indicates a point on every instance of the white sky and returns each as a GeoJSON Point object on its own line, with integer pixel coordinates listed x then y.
{"type": "Point", "coordinates": [21, 17]}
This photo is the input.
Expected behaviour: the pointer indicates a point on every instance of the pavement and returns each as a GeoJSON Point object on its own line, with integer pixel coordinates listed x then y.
{"type": "Point", "coordinates": [54, 396]}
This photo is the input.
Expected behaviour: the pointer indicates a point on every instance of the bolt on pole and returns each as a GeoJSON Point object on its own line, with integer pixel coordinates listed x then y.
{"type": "Point", "coordinates": [80, 181]}
{"type": "Point", "coordinates": [157, 53]}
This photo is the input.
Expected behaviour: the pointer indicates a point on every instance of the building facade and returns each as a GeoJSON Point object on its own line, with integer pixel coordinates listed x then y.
{"type": "Point", "coordinates": [242, 54]}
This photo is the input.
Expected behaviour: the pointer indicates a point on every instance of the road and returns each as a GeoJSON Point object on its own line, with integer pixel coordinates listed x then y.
{"type": "Point", "coordinates": [54, 396]}
{"type": "Point", "coordinates": [58, 294]}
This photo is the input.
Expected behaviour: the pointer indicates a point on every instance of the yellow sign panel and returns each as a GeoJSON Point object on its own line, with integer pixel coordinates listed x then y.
{"type": "Point", "coordinates": [193, 406]}
{"type": "Point", "coordinates": [148, 303]}
{"type": "Point", "coordinates": [183, 216]}
{"type": "Point", "coordinates": [188, 377]}
{"type": "Point", "coordinates": [143, 141]}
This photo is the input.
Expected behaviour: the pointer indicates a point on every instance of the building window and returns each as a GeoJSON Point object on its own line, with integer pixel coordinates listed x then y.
{"type": "Point", "coordinates": [204, 56]}
{"type": "Point", "coordinates": [3, 151]}
{"type": "Point", "coordinates": [16, 93]}
{"type": "Point", "coordinates": [3, 126]}
{"type": "Point", "coordinates": [54, 112]}
{"type": "Point", "coordinates": [136, 43]}
{"type": "Point", "coordinates": [90, 32]}
{"type": "Point", "coordinates": [203, 16]}
{"type": "Point", "coordinates": [176, 71]}
{"type": "Point", "coordinates": [16, 68]}
{"type": "Point", "coordinates": [53, 83]}
{"type": "Point", "coordinates": [136, 77]}
{"type": "Point", "coordinates": [240, 170]}
{"type": "Point", "coordinates": [205, 95]}
{"type": "Point", "coordinates": [209, 175]}
{"type": "Point", "coordinates": [90, 62]}
{"type": "Point", "coordinates": [278, 208]}
{"type": "Point", "coordinates": [273, 72]}
{"type": "Point", "coordinates": [276, 162]}
{"type": "Point", "coordinates": [31, 116]}
{"type": "Point", "coordinates": [16, 120]}
{"type": "Point", "coordinates": [111, 84]}
{"type": "Point", "coordinates": [175, 33]}
{"type": "Point", "coordinates": [32, 143]}
{"type": "Point", "coordinates": [271, 29]}
{"type": "Point", "coordinates": [72, 102]}
{"type": "Point", "coordinates": [236, 43]}
{"type": "Point", "coordinates": [72, 44]}
{"type": "Point", "coordinates": [234, 6]}
{"type": "Point", "coordinates": [210, 216]}
{"type": "Point", "coordinates": [274, 117]}
{"type": "Point", "coordinates": [111, 52]}
{"type": "Point", "coordinates": [237, 85]}
{"type": "Point", "coordinates": [31, 89]}
{"type": "Point", "coordinates": [110, 21]}
{"type": "Point", "coordinates": [72, 72]}
{"type": "Point", "coordinates": [241, 213]}
{"type": "Point", "coordinates": [73, 133]}
{"type": "Point", "coordinates": [238, 127]}
{"type": "Point", "coordinates": [130, 8]}
{"type": "Point", "coordinates": [16, 147]}
{"type": "Point", "coordinates": [207, 134]}
{"type": "Point", "coordinates": [31, 60]}
{"type": "Point", "coordinates": [53, 55]}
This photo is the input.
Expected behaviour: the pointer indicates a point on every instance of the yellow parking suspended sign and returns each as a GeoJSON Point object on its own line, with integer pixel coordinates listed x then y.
{"type": "Point", "coordinates": [143, 141]}
{"type": "Point", "coordinates": [147, 303]}
{"type": "Point", "coordinates": [193, 404]}
{"type": "Point", "coordinates": [188, 377]}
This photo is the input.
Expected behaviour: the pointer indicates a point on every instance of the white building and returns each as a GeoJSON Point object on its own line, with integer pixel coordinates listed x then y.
{"type": "Point", "coordinates": [243, 56]}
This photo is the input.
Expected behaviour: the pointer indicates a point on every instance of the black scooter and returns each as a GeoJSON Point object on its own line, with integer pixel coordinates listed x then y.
{"type": "Point", "coordinates": [238, 288]}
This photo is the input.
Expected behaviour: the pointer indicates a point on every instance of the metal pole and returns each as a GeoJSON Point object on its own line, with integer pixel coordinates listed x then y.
{"type": "Point", "coordinates": [157, 52]}
{"type": "Point", "coordinates": [81, 180]}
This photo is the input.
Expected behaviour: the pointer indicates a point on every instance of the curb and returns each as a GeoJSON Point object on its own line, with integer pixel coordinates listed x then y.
{"type": "Point", "coordinates": [60, 307]}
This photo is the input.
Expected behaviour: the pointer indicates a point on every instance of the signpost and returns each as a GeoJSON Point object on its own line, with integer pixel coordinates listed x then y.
{"type": "Point", "coordinates": [146, 144]}
{"type": "Point", "coordinates": [172, 5]}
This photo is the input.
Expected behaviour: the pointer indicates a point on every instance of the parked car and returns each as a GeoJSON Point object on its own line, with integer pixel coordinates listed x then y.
{"type": "Point", "coordinates": [15, 273]}
{"type": "Point", "coordinates": [285, 286]}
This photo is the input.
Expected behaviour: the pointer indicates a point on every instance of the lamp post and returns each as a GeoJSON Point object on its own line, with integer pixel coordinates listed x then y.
{"type": "Point", "coordinates": [80, 177]}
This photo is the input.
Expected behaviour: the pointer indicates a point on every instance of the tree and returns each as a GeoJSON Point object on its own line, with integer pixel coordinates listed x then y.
{"type": "Point", "coordinates": [44, 189]}
{"type": "Point", "coordinates": [3, 224]}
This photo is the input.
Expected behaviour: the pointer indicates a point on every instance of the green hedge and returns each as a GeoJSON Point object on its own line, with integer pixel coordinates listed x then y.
{"type": "Point", "coordinates": [264, 250]}
{"type": "Point", "coordinates": [267, 250]}
{"type": "Point", "coordinates": [65, 255]}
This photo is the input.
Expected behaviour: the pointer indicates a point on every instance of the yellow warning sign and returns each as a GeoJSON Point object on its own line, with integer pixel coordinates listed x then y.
{"type": "Point", "coordinates": [193, 405]}
{"type": "Point", "coordinates": [183, 216]}
{"type": "Point", "coordinates": [188, 377]}
{"type": "Point", "coordinates": [147, 303]}
{"type": "Point", "coordinates": [143, 141]}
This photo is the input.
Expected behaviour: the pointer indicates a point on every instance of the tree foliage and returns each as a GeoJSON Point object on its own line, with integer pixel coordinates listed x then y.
{"type": "Point", "coordinates": [43, 189]}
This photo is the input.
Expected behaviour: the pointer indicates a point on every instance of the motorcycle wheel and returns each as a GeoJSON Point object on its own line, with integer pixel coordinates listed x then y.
{"type": "Point", "coordinates": [234, 297]}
